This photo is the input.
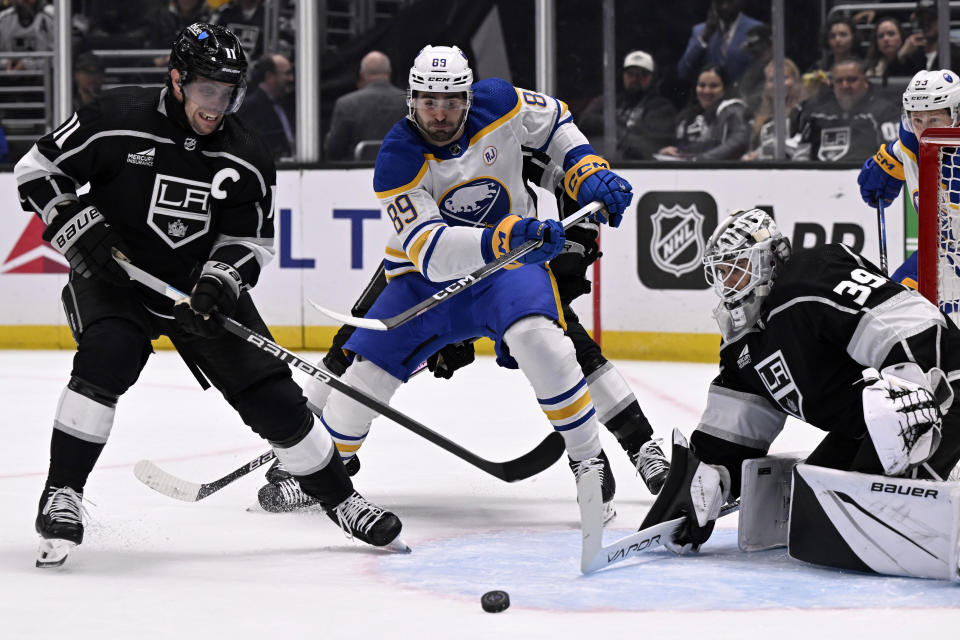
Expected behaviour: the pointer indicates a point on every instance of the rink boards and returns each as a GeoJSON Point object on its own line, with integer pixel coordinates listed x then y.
{"type": "Point", "coordinates": [331, 233]}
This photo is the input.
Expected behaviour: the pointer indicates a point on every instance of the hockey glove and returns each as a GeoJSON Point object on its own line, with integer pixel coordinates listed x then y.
{"type": "Point", "coordinates": [880, 177]}
{"type": "Point", "coordinates": [217, 290]}
{"type": "Point", "coordinates": [513, 231]}
{"type": "Point", "coordinates": [85, 239]}
{"type": "Point", "coordinates": [613, 191]}
{"type": "Point", "coordinates": [902, 414]}
{"type": "Point", "coordinates": [570, 267]}
{"type": "Point", "coordinates": [452, 357]}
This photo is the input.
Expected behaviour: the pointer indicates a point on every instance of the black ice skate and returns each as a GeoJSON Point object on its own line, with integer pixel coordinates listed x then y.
{"type": "Point", "coordinates": [60, 524]}
{"type": "Point", "coordinates": [282, 493]}
{"type": "Point", "coordinates": [608, 484]}
{"type": "Point", "coordinates": [363, 520]}
{"type": "Point", "coordinates": [651, 464]}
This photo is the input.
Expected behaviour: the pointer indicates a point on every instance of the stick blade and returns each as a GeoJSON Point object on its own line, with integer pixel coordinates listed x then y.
{"type": "Point", "coordinates": [538, 459]}
{"type": "Point", "coordinates": [590, 500]}
{"type": "Point", "coordinates": [165, 483]}
{"type": "Point", "coordinates": [364, 323]}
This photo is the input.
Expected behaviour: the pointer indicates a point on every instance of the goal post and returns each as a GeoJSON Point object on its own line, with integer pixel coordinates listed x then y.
{"type": "Point", "coordinates": [938, 213]}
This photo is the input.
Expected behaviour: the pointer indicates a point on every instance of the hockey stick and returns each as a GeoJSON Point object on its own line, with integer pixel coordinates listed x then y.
{"type": "Point", "coordinates": [170, 485]}
{"type": "Point", "coordinates": [882, 230]}
{"type": "Point", "coordinates": [464, 283]}
{"type": "Point", "coordinates": [594, 555]}
{"type": "Point", "coordinates": [529, 464]}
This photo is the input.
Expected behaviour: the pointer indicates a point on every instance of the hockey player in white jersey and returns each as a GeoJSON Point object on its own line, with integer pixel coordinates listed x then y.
{"type": "Point", "coordinates": [449, 178]}
{"type": "Point", "coordinates": [932, 99]}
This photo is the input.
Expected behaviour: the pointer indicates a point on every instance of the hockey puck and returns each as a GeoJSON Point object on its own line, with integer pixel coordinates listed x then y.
{"type": "Point", "coordinates": [495, 601]}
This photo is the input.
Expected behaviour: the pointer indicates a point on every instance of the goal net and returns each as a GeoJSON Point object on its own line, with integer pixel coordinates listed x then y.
{"type": "Point", "coordinates": [938, 241]}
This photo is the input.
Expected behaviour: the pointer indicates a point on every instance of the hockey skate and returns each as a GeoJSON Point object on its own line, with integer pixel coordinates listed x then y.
{"type": "Point", "coordinates": [60, 524]}
{"type": "Point", "coordinates": [608, 485]}
{"type": "Point", "coordinates": [282, 493]}
{"type": "Point", "coordinates": [365, 521]}
{"type": "Point", "coordinates": [651, 464]}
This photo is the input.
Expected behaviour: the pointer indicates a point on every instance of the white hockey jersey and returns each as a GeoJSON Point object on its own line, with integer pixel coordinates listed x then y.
{"type": "Point", "coordinates": [439, 199]}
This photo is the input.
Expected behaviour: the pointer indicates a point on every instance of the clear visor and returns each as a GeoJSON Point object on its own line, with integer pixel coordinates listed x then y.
{"type": "Point", "coordinates": [214, 97]}
{"type": "Point", "coordinates": [916, 122]}
{"type": "Point", "coordinates": [440, 104]}
{"type": "Point", "coordinates": [731, 274]}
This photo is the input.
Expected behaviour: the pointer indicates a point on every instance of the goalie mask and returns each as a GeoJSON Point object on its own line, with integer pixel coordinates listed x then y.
{"type": "Point", "coordinates": [440, 70]}
{"type": "Point", "coordinates": [741, 261]}
{"type": "Point", "coordinates": [931, 91]}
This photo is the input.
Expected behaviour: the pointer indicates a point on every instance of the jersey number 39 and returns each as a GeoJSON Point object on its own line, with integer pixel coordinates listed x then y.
{"type": "Point", "coordinates": [860, 285]}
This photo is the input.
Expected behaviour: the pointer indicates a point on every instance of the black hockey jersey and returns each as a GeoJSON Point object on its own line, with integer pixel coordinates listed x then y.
{"type": "Point", "coordinates": [829, 315]}
{"type": "Point", "coordinates": [176, 198]}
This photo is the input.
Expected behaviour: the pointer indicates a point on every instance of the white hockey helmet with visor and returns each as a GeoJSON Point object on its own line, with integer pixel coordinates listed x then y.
{"type": "Point", "coordinates": [741, 262]}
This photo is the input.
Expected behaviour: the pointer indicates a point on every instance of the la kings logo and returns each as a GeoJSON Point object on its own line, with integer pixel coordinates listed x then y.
{"type": "Point", "coordinates": [778, 380]}
{"type": "Point", "coordinates": [179, 209]}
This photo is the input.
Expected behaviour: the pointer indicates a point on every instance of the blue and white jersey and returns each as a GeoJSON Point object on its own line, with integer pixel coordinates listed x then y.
{"type": "Point", "coordinates": [439, 199]}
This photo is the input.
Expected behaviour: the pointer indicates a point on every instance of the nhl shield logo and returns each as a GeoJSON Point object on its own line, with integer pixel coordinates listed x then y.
{"type": "Point", "coordinates": [677, 243]}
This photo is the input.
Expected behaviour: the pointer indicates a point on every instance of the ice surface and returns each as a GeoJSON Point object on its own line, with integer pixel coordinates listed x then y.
{"type": "Point", "coordinates": [152, 567]}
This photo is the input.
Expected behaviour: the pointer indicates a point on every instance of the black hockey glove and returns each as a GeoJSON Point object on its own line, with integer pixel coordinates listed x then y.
{"type": "Point", "coordinates": [217, 290]}
{"type": "Point", "coordinates": [570, 267]}
{"type": "Point", "coordinates": [85, 239]}
{"type": "Point", "coordinates": [452, 357]}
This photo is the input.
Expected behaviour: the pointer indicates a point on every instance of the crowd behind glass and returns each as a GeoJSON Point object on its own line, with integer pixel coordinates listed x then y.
{"type": "Point", "coordinates": [705, 97]}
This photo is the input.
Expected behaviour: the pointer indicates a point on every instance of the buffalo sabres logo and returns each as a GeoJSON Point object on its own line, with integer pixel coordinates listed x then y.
{"type": "Point", "coordinates": [479, 201]}
{"type": "Point", "coordinates": [677, 243]}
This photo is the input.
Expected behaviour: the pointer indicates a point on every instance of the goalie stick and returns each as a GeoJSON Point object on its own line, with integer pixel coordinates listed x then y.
{"type": "Point", "coordinates": [461, 285]}
{"type": "Point", "coordinates": [529, 464]}
{"type": "Point", "coordinates": [594, 555]}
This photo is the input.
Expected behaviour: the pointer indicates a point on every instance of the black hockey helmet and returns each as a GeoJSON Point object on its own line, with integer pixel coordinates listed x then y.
{"type": "Point", "coordinates": [213, 52]}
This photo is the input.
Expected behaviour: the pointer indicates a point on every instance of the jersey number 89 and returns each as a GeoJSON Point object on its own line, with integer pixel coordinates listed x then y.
{"type": "Point", "coordinates": [401, 212]}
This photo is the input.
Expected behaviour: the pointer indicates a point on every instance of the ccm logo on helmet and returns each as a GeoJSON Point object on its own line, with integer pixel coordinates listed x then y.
{"type": "Point", "coordinates": [917, 492]}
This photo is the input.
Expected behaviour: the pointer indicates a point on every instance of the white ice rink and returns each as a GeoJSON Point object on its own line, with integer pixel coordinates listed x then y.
{"type": "Point", "coordinates": [152, 567]}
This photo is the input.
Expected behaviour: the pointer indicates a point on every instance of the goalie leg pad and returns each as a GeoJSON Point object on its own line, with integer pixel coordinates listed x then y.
{"type": "Point", "coordinates": [874, 524]}
{"type": "Point", "coordinates": [765, 501]}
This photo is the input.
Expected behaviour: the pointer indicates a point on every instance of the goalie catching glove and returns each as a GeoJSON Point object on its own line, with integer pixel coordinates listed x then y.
{"type": "Point", "coordinates": [694, 490]}
{"type": "Point", "coordinates": [217, 290]}
{"type": "Point", "coordinates": [85, 239]}
{"type": "Point", "coordinates": [903, 410]}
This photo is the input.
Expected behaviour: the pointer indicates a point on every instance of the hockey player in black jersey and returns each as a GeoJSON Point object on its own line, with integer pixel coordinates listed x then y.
{"type": "Point", "coordinates": [617, 406]}
{"type": "Point", "coordinates": [824, 336]}
{"type": "Point", "coordinates": [186, 192]}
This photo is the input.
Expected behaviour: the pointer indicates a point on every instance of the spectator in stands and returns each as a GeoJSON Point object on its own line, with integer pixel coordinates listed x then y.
{"type": "Point", "coordinates": [26, 26]}
{"type": "Point", "coordinates": [759, 44]}
{"type": "Point", "coordinates": [246, 18]}
{"type": "Point", "coordinates": [172, 19]}
{"type": "Point", "coordinates": [265, 108]}
{"type": "Point", "coordinates": [644, 117]}
{"type": "Point", "coordinates": [884, 57]}
{"type": "Point", "coordinates": [839, 42]}
{"type": "Point", "coordinates": [120, 25]}
{"type": "Point", "coordinates": [87, 79]}
{"type": "Point", "coordinates": [367, 113]}
{"type": "Point", "coordinates": [851, 121]}
{"type": "Point", "coordinates": [763, 140]}
{"type": "Point", "coordinates": [718, 40]}
{"type": "Point", "coordinates": [921, 48]}
{"type": "Point", "coordinates": [714, 126]}
{"type": "Point", "coordinates": [4, 149]}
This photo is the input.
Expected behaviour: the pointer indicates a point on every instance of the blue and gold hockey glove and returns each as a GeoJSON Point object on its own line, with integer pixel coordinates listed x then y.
{"type": "Point", "coordinates": [591, 179]}
{"type": "Point", "coordinates": [881, 177]}
{"type": "Point", "coordinates": [512, 231]}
